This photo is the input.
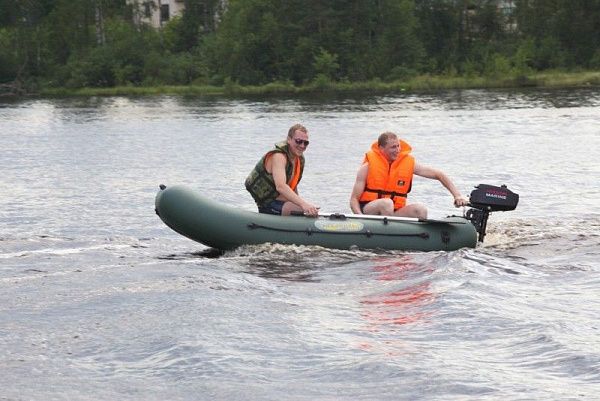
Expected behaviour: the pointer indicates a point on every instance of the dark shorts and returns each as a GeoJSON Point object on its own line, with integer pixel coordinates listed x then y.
{"type": "Point", "coordinates": [274, 207]}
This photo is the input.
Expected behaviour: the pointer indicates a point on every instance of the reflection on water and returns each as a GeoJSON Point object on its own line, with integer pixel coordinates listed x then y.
{"type": "Point", "coordinates": [406, 302]}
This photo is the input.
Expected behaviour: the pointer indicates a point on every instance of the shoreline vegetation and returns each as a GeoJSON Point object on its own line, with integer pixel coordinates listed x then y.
{"type": "Point", "coordinates": [239, 48]}
{"type": "Point", "coordinates": [423, 83]}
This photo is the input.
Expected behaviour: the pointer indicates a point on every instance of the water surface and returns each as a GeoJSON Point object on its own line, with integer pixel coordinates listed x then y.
{"type": "Point", "coordinates": [99, 300]}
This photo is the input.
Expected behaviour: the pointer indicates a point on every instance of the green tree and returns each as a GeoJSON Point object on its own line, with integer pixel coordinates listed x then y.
{"type": "Point", "coordinates": [326, 64]}
{"type": "Point", "coordinates": [199, 18]}
{"type": "Point", "coordinates": [398, 44]}
{"type": "Point", "coordinates": [248, 47]}
{"type": "Point", "coordinates": [97, 43]}
{"type": "Point", "coordinates": [566, 33]}
{"type": "Point", "coordinates": [438, 31]}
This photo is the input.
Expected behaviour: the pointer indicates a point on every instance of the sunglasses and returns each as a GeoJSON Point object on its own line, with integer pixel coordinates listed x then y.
{"type": "Point", "coordinates": [301, 141]}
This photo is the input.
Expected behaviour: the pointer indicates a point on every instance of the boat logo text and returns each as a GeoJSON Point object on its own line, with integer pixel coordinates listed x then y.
{"type": "Point", "coordinates": [339, 226]}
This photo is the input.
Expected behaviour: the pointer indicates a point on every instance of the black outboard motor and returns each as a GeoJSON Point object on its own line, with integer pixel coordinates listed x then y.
{"type": "Point", "coordinates": [485, 199]}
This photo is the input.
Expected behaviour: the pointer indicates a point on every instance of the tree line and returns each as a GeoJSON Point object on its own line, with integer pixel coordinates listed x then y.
{"type": "Point", "coordinates": [97, 43]}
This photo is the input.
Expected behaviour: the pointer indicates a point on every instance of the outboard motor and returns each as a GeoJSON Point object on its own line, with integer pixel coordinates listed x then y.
{"type": "Point", "coordinates": [485, 199]}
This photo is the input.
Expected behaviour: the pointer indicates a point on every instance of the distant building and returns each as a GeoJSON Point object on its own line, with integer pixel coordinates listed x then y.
{"type": "Point", "coordinates": [158, 12]}
{"type": "Point", "coordinates": [507, 11]}
{"type": "Point", "coordinates": [155, 12]}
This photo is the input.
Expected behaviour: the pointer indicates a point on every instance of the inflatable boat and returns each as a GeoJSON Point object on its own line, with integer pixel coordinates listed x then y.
{"type": "Point", "coordinates": [224, 227]}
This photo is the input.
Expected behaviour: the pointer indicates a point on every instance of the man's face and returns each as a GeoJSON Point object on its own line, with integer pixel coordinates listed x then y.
{"type": "Point", "coordinates": [391, 149]}
{"type": "Point", "coordinates": [298, 142]}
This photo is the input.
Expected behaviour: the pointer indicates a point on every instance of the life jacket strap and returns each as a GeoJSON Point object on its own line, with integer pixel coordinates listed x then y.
{"type": "Point", "coordinates": [381, 192]}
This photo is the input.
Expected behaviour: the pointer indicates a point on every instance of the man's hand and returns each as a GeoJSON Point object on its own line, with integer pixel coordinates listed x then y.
{"type": "Point", "coordinates": [310, 210]}
{"type": "Point", "coordinates": [461, 201]}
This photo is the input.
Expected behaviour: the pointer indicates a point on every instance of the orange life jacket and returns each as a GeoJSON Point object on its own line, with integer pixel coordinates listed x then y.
{"type": "Point", "coordinates": [293, 183]}
{"type": "Point", "coordinates": [385, 180]}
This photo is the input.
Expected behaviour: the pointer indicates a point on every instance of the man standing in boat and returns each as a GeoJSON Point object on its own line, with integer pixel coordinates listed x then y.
{"type": "Point", "coordinates": [385, 179]}
{"type": "Point", "coordinates": [273, 183]}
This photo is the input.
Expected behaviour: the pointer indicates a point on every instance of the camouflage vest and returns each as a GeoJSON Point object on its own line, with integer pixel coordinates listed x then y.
{"type": "Point", "coordinates": [260, 183]}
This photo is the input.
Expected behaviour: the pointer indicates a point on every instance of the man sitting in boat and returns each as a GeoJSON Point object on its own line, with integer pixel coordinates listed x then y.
{"type": "Point", "coordinates": [274, 181]}
{"type": "Point", "coordinates": [385, 179]}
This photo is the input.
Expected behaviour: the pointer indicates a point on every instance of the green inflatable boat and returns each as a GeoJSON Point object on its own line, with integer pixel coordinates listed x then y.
{"type": "Point", "coordinates": [224, 227]}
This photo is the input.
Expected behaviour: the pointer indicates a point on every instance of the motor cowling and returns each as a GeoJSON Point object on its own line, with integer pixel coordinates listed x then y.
{"type": "Point", "coordinates": [492, 198]}
{"type": "Point", "coordinates": [485, 199]}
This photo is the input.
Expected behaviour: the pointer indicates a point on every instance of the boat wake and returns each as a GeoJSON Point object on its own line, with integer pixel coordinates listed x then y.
{"type": "Point", "coordinates": [521, 233]}
{"type": "Point", "coordinates": [565, 244]}
{"type": "Point", "coordinates": [57, 246]}
{"type": "Point", "coordinates": [524, 245]}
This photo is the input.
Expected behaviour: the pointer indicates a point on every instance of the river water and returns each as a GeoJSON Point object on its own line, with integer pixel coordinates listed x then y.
{"type": "Point", "coordinates": [100, 300]}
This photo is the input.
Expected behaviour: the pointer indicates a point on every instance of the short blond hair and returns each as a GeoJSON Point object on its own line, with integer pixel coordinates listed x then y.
{"type": "Point", "coordinates": [385, 138]}
{"type": "Point", "coordinates": [296, 127]}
